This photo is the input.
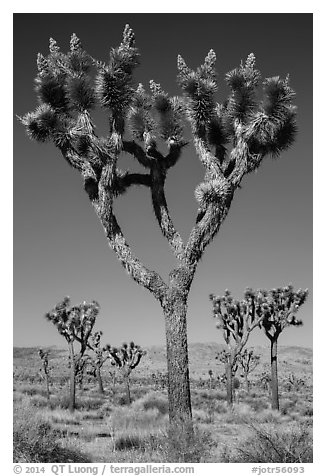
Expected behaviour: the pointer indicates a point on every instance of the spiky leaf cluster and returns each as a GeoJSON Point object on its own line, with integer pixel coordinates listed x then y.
{"type": "Point", "coordinates": [127, 357]}
{"type": "Point", "coordinates": [268, 125]}
{"type": "Point", "coordinates": [169, 112]}
{"type": "Point", "coordinates": [212, 191]}
{"type": "Point", "coordinates": [236, 318]}
{"type": "Point", "coordinates": [64, 89]}
{"type": "Point", "coordinates": [140, 120]}
{"type": "Point", "coordinates": [224, 356]}
{"type": "Point", "coordinates": [62, 80]}
{"type": "Point", "coordinates": [114, 81]}
{"type": "Point", "coordinates": [279, 307]}
{"type": "Point", "coordinates": [41, 124]}
{"type": "Point", "coordinates": [243, 82]}
{"type": "Point", "coordinates": [199, 87]}
{"type": "Point", "coordinates": [74, 323]}
{"type": "Point", "coordinates": [101, 352]}
{"type": "Point", "coordinates": [273, 126]}
{"type": "Point", "coordinates": [248, 360]}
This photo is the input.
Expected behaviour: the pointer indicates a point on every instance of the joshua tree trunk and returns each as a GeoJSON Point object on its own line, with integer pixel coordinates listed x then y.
{"type": "Point", "coordinates": [47, 387]}
{"type": "Point", "coordinates": [113, 383]}
{"type": "Point", "coordinates": [72, 401]}
{"type": "Point", "coordinates": [274, 378]}
{"type": "Point", "coordinates": [177, 359]}
{"type": "Point", "coordinates": [99, 380]}
{"type": "Point", "coordinates": [229, 384]}
{"type": "Point", "coordinates": [128, 395]}
{"type": "Point", "coordinates": [247, 383]}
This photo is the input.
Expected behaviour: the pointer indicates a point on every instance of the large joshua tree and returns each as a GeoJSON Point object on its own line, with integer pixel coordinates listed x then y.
{"type": "Point", "coordinates": [75, 324]}
{"type": "Point", "coordinates": [279, 311]}
{"type": "Point", "coordinates": [231, 140]}
{"type": "Point", "coordinates": [236, 319]}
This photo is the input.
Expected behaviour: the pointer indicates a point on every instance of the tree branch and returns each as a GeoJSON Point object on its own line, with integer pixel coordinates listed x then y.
{"type": "Point", "coordinates": [239, 156]}
{"type": "Point", "coordinates": [162, 212]}
{"type": "Point", "coordinates": [104, 209]}
{"type": "Point", "coordinates": [209, 161]}
{"type": "Point", "coordinates": [205, 230]}
{"type": "Point", "coordinates": [135, 179]}
{"type": "Point", "coordinates": [174, 154]}
{"type": "Point", "coordinates": [74, 159]}
{"type": "Point", "coordinates": [137, 151]}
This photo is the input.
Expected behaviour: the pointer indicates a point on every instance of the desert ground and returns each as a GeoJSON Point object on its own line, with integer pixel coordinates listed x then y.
{"type": "Point", "coordinates": [105, 428]}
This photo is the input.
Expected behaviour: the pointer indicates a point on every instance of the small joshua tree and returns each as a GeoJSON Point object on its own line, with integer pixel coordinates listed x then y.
{"type": "Point", "coordinates": [225, 358]}
{"type": "Point", "coordinates": [210, 374]}
{"type": "Point", "coordinates": [248, 361]}
{"type": "Point", "coordinates": [75, 324]}
{"type": "Point", "coordinates": [126, 358]}
{"type": "Point", "coordinates": [231, 139]}
{"type": "Point", "coordinates": [45, 369]}
{"type": "Point", "coordinates": [279, 311]}
{"type": "Point", "coordinates": [294, 383]}
{"type": "Point", "coordinates": [265, 380]}
{"type": "Point", "coordinates": [101, 355]}
{"type": "Point", "coordinates": [236, 319]}
{"type": "Point", "coordinates": [80, 369]}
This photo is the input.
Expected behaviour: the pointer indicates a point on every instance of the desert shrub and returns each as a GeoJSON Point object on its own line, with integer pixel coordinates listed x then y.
{"type": "Point", "coordinates": [188, 445]}
{"type": "Point", "coordinates": [136, 393]}
{"type": "Point", "coordinates": [39, 401]}
{"type": "Point", "coordinates": [93, 416]}
{"type": "Point", "coordinates": [61, 416]}
{"type": "Point", "coordinates": [35, 441]}
{"type": "Point", "coordinates": [286, 407]}
{"type": "Point", "coordinates": [105, 409]}
{"type": "Point", "coordinates": [90, 403]}
{"type": "Point", "coordinates": [271, 416]}
{"type": "Point", "coordinates": [199, 415]}
{"type": "Point", "coordinates": [140, 446]}
{"type": "Point", "coordinates": [259, 405]}
{"type": "Point", "coordinates": [307, 411]}
{"type": "Point", "coordinates": [123, 400]}
{"type": "Point", "coordinates": [60, 401]}
{"type": "Point", "coordinates": [153, 400]}
{"type": "Point", "coordinates": [130, 418]}
{"type": "Point", "coordinates": [270, 443]}
{"type": "Point", "coordinates": [221, 408]}
{"type": "Point", "coordinates": [203, 396]}
{"type": "Point", "coordinates": [32, 390]}
{"type": "Point", "coordinates": [83, 403]}
{"type": "Point", "coordinates": [17, 397]}
{"type": "Point", "coordinates": [127, 442]}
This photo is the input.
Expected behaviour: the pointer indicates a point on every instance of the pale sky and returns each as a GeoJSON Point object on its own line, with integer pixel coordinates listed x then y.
{"type": "Point", "coordinates": [59, 245]}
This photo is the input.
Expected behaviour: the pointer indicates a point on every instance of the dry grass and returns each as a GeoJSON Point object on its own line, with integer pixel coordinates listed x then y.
{"type": "Point", "coordinates": [35, 441]}
{"type": "Point", "coordinates": [109, 431]}
{"type": "Point", "coordinates": [272, 443]}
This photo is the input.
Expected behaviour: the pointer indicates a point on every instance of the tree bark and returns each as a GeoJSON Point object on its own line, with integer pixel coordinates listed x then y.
{"type": "Point", "coordinates": [72, 400]}
{"type": "Point", "coordinates": [274, 377]}
{"type": "Point", "coordinates": [47, 387]}
{"type": "Point", "coordinates": [229, 384]}
{"type": "Point", "coordinates": [128, 395]}
{"type": "Point", "coordinates": [247, 383]}
{"type": "Point", "coordinates": [175, 311]}
{"type": "Point", "coordinates": [99, 380]}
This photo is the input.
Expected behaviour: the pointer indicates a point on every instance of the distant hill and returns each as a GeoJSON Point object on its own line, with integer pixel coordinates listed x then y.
{"type": "Point", "coordinates": [202, 358]}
